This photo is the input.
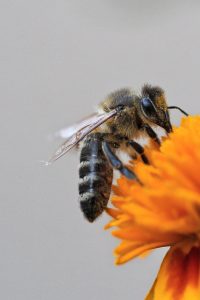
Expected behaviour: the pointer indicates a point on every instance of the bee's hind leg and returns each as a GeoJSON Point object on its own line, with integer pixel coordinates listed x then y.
{"type": "Point", "coordinates": [116, 162]}
{"type": "Point", "coordinates": [138, 149]}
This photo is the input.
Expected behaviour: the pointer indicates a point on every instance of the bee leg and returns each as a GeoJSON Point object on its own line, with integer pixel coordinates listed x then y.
{"type": "Point", "coordinates": [116, 162]}
{"type": "Point", "coordinates": [140, 150]}
{"type": "Point", "coordinates": [152, 134]}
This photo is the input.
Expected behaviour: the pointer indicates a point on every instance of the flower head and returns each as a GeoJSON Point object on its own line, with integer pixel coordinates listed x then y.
{"type": "Point", "coordinates": [164, 211]}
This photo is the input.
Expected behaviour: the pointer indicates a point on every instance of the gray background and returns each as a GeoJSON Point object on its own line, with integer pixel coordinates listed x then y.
{"type": "Point", "coordinates": [58, 59]}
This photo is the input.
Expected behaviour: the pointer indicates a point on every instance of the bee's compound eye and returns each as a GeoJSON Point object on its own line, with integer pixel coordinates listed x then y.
{"type": "Point", "coordinates": [147, 106]}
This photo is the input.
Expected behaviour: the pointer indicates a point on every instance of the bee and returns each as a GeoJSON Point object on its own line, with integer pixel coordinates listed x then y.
{"type": "Point", "coordinates": [122, 117]}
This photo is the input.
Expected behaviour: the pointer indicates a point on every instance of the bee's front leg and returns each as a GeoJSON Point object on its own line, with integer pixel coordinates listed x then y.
{"type": "Point", "coordinates": [138, 149]}
{"type": "Point", "coordinates": [116, 162]}
{"type": "Point", "coordinates": [151, 133]}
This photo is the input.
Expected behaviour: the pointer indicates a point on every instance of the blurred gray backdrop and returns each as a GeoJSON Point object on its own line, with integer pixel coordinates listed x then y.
{"type": "Point", "coordinates": [58, 59]}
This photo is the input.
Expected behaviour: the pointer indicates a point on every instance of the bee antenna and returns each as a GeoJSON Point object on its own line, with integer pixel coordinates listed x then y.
{"type": "Point", "coordinates": [181, 110]}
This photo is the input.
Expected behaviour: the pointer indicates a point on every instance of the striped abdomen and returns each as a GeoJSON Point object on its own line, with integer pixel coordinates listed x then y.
{"type": "Point", "coordinates": [95, 177]}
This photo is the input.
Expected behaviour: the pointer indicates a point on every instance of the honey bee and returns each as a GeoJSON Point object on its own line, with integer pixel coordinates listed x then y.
{"type": "Point", "coordinates": [122, 117]}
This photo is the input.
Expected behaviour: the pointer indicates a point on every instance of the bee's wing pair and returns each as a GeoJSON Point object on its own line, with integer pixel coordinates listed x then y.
{"type": "Point", "coordinates": [74, 134]}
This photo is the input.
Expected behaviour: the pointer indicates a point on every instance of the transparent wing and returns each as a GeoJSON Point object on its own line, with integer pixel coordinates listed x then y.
{"type": "Point", "coordinates": [82, 129]}
{"type": "Point", "coordinates": [67, 132]}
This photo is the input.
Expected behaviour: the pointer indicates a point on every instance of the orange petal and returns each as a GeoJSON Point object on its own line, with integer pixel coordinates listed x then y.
{"type": "Point", "coordinates": [179, 275]}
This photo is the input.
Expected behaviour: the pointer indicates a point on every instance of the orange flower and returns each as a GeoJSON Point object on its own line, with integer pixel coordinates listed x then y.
{"type": "Point", "coordinates": [164, 211]}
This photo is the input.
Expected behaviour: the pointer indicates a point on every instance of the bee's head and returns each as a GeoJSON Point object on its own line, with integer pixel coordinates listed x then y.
{"type": "Point", "coordinates": [154, 107]}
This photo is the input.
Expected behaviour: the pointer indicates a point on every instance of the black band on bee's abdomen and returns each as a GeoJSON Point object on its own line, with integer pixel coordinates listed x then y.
{"type": "Point", "coordinates": [95, 177]}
